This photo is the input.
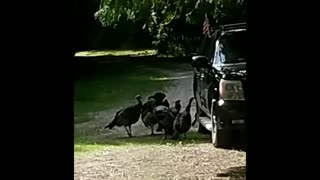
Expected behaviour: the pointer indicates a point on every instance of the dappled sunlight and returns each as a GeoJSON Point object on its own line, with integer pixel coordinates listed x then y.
{"type": "Point", "coordinates": [167, 78]}
{"type": "Point", "coordinates": [99, 142]}
{"type": "Point", "coordinates": [82, 148]}
{"type": "Point", "coordinates": [94, 53]}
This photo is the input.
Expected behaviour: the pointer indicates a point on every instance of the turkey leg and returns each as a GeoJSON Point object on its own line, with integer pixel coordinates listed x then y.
{"type": "Point", "coordinates": [129, 134]}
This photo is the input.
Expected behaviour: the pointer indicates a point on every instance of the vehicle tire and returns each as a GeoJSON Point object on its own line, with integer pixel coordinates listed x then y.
{"type": "Point", "coordinates": [217, 136]}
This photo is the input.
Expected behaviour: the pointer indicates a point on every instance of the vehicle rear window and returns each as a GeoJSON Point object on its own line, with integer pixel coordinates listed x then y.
{"type": "Point", "coordinates": [233, 47]}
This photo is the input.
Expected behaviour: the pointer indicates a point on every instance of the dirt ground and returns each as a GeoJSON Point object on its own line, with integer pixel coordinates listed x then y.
{"type": "Point", "coordinates": [161, 162]}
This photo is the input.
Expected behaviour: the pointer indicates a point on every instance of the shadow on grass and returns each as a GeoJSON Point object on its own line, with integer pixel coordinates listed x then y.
{"type": "Point", "coordinates": [84, 144]}
{"type": "Point", "coordinates": [233, 173]}
{"type": "Point", "coordinates": [106, 82]}
{"type": "Point", "coordinates": [125, 66]}
{"type": "Point", "coordinates": [192, 138]}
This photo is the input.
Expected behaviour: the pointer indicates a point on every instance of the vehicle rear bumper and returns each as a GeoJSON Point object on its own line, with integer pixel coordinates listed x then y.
{"type": "Point", "coordinates": [230, 110]}
{"type": "Point", "coordinates": [231, 120]}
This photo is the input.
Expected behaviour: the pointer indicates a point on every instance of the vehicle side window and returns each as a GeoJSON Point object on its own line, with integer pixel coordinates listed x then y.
{"type": "Point", "coordinates": [215, 58]}
{"type": "Point", "coordinates": [221, 54]}
{"type": "Point", "coordinates": [211, 51]}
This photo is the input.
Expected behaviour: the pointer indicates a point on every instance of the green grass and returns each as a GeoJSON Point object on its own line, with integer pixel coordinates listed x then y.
{"type": "Point", "coordinates": [192, 137]}
{"type": "Point", "coordinates": [80, 149]}
{"type": "Point", "coordinates": [103, 92]}
{"type": "Point", "coordinates": [107, 82]}
{"type": "Point", "coordinates": [85, 145]}
{"type": "Point", "coordinates": [101, 84]}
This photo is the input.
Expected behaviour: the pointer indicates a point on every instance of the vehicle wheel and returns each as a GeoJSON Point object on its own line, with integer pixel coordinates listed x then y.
{"type": "Point", "coordinates": [217, 136]}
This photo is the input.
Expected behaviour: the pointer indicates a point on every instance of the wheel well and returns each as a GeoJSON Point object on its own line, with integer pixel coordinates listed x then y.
{"type": "Point", "coordinates": [212, 94]}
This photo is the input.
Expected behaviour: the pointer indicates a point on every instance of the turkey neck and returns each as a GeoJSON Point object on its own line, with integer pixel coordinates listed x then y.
{"type": "Point", "coordinates": [189, 105]}
{"type": "Point", "coordinates": [139, 104]}
{"type": "Point", "coordinates": [178, 107]}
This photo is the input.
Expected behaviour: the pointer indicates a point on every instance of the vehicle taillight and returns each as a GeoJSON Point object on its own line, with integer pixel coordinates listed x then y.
{"type": "Point", "coordinates": [231, 90]}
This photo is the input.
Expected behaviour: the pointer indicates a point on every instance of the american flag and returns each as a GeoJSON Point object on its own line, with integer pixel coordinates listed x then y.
{"type": "Point", "coordinates": [206, 26]}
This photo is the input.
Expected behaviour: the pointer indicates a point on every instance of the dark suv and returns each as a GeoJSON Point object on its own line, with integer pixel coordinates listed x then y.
{"type": "Point", "coordinates": [220, 85]}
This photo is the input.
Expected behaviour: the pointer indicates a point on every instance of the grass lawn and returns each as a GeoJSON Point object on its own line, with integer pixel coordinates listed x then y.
{"type": "Point", "coordinates": [104, 92]}
{"type": "Point", "coordinates": [144, 52]}
{"type": "Point", "coordinates": [102, 83]}
{"type": "Point", "coordinates": [101, 143]}
{"type": "Point", "coordinates": [105, 82]}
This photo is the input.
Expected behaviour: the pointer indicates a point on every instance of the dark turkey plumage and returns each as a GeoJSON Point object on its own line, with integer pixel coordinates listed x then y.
{"type": "Point", "coordinates": [161, 100]}
{"type": "Point", "coordinates": [165, 117]}
{"type": "Point", "coordinates": [147, 115]}
{"type": "Point", "coordinates": [127, 116]}
{"type": "Point", "coordinates": [147, 107]}
{"type": "Point", "coordinates": [176, 109]}
{"type": "Point", "coordinates": [182, 122]}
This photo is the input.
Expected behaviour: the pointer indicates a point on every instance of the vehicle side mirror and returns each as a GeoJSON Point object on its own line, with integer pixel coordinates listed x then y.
{"type": "Point", "coordinates": [200, 62]}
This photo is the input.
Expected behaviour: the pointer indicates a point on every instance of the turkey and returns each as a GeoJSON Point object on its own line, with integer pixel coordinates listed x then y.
{"type": "Point", "coordinates": [147, 116]}
{"type": "Point", "coordinates": [147, 107]}
{"type": "Point", "coordinates": [182, 122]}
{"type": "Point", "coordinates": [165, 117]}
{"type": "Point", "coordinates": [161, 100]}
{"type": "Point", "coordinates": [176, 109]}
{"type": "Point", "coordinates": [127, 116]}
{"type": "Point", "coordinates": [194, 122]}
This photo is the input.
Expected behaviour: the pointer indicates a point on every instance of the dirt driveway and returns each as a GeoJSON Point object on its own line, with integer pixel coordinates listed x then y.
{"type": "Point", "coordinates": [158, 161]}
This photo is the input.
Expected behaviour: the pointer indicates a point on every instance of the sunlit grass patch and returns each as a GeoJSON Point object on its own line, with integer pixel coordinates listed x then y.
{"type": "Point", "coordinates": [146, 52]}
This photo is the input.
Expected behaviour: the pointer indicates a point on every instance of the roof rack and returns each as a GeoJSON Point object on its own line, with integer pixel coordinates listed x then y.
{"type": "Point", "coordinates": [227, 27]}
{"type": "Point", "coordinates": [233, 26]}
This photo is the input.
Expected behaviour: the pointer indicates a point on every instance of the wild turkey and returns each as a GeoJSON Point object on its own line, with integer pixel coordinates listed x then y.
{"type": "Point", "coordinates": [194, 121]}
{"type": "Point", "coordinates": [161, 100]}
{"type": "Point", "coordinates": [165, 117]}
{"type": "Point", "coordinates": [176, 109]}
{"type": "Point", "coordinates": [182, 122]}
{"type": "Point", "coordinates": [127, 116]}
{"type": "Point", "coordinates": [147, 115]}
{"type": "Point", "coordinates": [165, 103]}
{"type": "Point", "coordinates": [148, 106]}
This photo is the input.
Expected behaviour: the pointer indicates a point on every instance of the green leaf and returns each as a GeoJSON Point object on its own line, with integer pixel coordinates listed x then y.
{"type": "Point", "coordinates": [144, 26]}
{"type": "Point", "coordinates": [197, 4]}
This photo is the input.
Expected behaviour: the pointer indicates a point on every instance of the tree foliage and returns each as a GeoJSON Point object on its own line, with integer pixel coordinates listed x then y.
{"type": "Point", "coordinates": [161, 17]}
